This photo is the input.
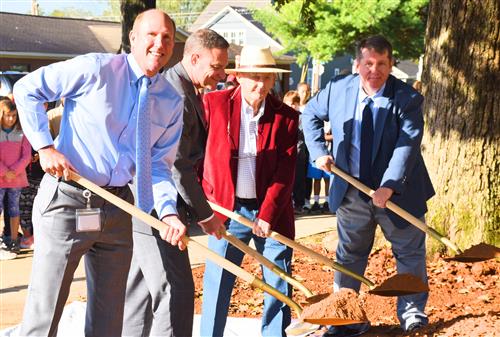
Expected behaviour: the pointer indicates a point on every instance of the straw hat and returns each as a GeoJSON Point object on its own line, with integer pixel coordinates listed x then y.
{"type": "Point", "coordinates": [256, 59]}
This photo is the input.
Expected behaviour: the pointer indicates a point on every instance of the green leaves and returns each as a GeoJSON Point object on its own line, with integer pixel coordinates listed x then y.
{"type": "Point", "coordinates": [338, 24]}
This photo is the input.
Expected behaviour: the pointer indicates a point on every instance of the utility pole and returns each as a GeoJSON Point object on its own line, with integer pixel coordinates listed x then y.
{"type": "Point", "coordinates": [34, 7]}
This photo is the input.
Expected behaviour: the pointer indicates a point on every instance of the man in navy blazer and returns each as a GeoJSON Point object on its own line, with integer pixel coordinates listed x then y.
{"type": "Point", "coordinates": [377, 128]}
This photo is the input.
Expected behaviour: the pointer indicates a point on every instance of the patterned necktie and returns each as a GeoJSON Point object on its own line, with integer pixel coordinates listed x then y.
{"type": "Point", "coordinates": [365, 156]}
{"type": "Point", "coordinates": [143, 150]}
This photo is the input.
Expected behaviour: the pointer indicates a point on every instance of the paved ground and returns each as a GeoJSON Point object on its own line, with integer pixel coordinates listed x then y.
{"type": "Point", "coordinates": [15, 274]}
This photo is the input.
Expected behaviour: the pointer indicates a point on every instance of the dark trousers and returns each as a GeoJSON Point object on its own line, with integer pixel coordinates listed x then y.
{"type": "Point", "coordinates": [299, 186]}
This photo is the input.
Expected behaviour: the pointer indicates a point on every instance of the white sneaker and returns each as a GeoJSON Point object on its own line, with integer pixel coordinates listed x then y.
{"type": "Point", "coordinates": [6, 254]}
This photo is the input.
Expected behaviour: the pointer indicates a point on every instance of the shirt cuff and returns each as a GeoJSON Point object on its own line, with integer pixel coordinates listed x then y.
{"type": "Point", "coordinates": [41, 139]}
{"type": "Point", "coordinates": [166, 210]}
{"type": "Point", "coordinates": [207, 219]}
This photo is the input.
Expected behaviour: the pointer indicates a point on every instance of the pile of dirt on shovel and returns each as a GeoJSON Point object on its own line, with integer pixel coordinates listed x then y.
{"type": "Point", "coordinates": [343, 304]}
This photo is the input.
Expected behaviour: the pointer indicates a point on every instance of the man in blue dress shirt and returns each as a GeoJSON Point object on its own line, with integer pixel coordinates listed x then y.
{"type": "Point", "coordinates": [98, 140]}
{"type": "Point", "coordinates": [377, 127]}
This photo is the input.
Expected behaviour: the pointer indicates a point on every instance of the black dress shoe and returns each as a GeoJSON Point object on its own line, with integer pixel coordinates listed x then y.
{"type": "Point", "coordinates": [350, 330]}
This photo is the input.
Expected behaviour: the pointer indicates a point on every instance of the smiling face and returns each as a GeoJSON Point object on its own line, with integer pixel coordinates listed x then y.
{"type": "Point", "coordinates": [374, 69]}
{"type": "Point", "coordinates": [208, 67]}
{"type": "Point", "coordinates": [256, 86]}
{"type": "Point", "coordinates": [152, 41]}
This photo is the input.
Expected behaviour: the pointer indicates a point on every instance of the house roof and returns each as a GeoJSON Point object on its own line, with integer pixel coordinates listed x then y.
{"type": "Point", "coordinates": [247, 19]}
{"type": "Point", "coordinates": [408, 67]}
{"type": "Point", "coordinates": [280, 60]}
{"type": "Point", "coordinates": [215, 6]}
{"type": "Point", "coordinates": [22, 34]}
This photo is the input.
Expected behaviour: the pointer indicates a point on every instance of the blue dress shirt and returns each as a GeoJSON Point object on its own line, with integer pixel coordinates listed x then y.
{"type": "Point", "coordinates": [97, 133]}
{"type": "Point", "coordinates": [354, 152]}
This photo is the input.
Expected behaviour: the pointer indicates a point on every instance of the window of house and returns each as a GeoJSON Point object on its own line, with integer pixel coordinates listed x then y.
{"type": "Point", "coordinates": [236, 37]}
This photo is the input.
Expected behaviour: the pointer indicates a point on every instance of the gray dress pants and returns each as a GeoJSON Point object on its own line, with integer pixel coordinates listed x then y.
{"type": "Point", "coordinates": [59, 248]}
{"type": "Point", "coordinates": [160, 288]}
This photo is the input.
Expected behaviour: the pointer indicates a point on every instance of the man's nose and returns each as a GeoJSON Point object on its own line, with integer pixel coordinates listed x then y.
{"type": "Point", "coordinates": [159, 41]}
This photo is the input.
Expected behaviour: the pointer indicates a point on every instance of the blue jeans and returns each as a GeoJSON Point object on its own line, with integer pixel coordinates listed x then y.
{"type": "Point", "coordinates": [218, 283]}
{"type": "Point", "coordinates": [356, 224]}
{"type": "Point", "coordinates": [13, 201]}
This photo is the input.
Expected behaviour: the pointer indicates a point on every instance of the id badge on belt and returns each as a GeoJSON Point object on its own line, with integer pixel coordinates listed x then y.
{"type": "Point", "coordinates": [88, 219]}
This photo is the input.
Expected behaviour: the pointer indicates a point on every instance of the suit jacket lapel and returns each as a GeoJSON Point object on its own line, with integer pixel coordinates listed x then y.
{"type": "Point", "coordinates": [350, 106]}
{"type": "Point", "coordinates": [264, 131]}
{"type": "Point", "coordinates": [190, 93]}
{"type": "Point", "coordinates": [384, 103]}
{"type": "Point", "coordinates": [234, 120]}
{"type": "Point", "coordinates": [265, 124]}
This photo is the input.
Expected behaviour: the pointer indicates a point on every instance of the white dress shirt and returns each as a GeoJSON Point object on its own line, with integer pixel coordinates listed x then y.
{"type": "Point", "coordinates": [247, 152]}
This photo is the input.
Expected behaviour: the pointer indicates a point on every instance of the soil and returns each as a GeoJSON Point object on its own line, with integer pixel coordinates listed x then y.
{"type": "Point", "coordinates": [342, 304]}
{"type": "Point", "coordinates": [464, 298]}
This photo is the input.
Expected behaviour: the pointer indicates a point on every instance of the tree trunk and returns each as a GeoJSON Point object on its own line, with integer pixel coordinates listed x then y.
{"type": "Point", "coordinates": [129, 10]}
{"type": "Point", "coordinates": [461, 144]}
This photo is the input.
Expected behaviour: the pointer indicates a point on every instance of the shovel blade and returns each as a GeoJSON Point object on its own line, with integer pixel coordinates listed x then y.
{"type": "Point", "coordinates": [299, 328]}
{"type": "Point", "coordinates": [332, 321]}
{"type": "Point", "coordinates": [477, 253]}
{"type": "Point", "coordinates": [400, 285]}
{"type": "Point", "coordinates": [315, 299]}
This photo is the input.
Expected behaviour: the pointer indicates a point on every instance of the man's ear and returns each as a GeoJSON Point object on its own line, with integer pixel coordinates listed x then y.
{"type": "Point", "coordinates": [355, 65]}
{"type": "Point", "coordinates": [194, 58]}
{"type": "Point", "coordinates": [131, 37]}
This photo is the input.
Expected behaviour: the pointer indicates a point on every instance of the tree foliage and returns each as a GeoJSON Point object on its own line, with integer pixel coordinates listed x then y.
{"type": "Point", "coordinates": [183, 12]}
{"type": "Point", "coordinates": [129, 10]}
{"type": "Point", "coordinates": [339, 24]}
{"type": "Point", "coordinates": [71, 12]}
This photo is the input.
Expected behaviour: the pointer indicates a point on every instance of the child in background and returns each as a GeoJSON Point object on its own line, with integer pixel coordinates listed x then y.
{"type": "Point", "coordinates": [317, 175]}
{"type": "Point", "coordinates": [15, 155]}
{"type": "Point", "coordinates": [292, 99]}
{"type": "Point", "coordinates": [304, 91]}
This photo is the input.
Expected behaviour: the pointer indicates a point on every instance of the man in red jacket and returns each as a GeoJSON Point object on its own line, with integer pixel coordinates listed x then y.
{"type": "Point", "coordinates": [249, 168]}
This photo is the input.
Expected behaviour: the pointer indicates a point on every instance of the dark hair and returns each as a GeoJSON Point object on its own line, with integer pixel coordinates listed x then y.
{"type": "Point", "coordinates": [376, 42]}
{"type": "Point", "coordinates": [204, 39]}
{"type": "Point", "coordinates": [7, 102]}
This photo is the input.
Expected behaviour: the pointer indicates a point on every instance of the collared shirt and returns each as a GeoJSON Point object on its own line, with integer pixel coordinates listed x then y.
{"type": "Point", "coordinates": [247, 152]}
{"type": "Point", "coordinates": [98, 126]}
{"type": "Point", "coordinates": [356, 127]}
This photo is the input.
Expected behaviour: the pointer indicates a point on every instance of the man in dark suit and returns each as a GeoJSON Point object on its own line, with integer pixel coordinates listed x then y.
{"type": "Point", "coordinates": [249, 168]}
{"type": "Point", "coordinates": [160, 288]}
{"type": "Point", "coordinates": [377, 128]}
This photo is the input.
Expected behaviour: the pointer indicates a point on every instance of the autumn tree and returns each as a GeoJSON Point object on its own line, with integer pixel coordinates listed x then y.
{"type": "Point", "coordinates": [462, 138]}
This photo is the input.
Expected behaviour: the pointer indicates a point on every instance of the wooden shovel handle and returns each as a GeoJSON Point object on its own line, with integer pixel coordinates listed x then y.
{"type": "Point", "coordinates": [398, 210]}
{"type": "Point", "coordinates": [295, 245]}
{"type": "Point", "coordinates": [160, 225]}
{"type": "Point", "coordinates": [267, 263]}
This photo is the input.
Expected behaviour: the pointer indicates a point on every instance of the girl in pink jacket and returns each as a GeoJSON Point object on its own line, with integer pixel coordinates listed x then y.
{"type": "Point", "coordinates": [15, 155]}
